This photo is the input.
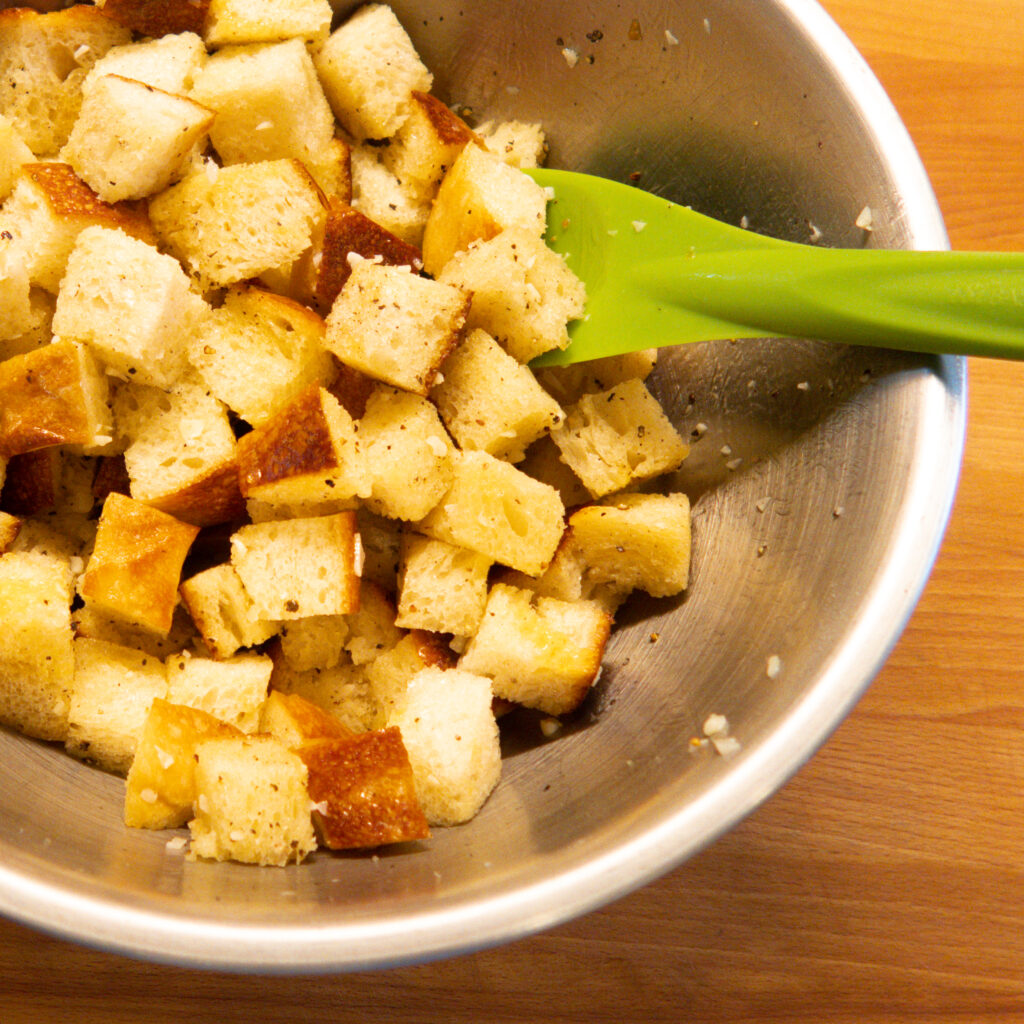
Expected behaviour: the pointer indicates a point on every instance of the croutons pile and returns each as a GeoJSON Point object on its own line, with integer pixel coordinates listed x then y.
{"type": "Point", "coordinates": [285, 513]}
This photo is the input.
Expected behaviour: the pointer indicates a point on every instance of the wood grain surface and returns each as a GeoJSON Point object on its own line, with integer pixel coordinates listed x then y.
{"type": "Point", "coordinates": [886, 881]}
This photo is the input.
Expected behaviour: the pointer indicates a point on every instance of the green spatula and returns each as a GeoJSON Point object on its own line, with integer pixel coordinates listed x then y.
{"type": "Point", "coordinates": [660, 274]}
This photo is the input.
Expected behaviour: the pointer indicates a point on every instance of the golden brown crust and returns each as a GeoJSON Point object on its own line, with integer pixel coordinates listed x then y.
{"type": "Point", "coordinates": [211, 500]}
{"type": "Point", "coordinates": [352, 388]}
{"type": "Point", "coordinates": [449, 128]}
{"type": "Point", "coordinates": [10, 527]}
{"type": "Point", "coordinates": [159, 17]}
{"type": "Point", "coordinates": [304, 718]}
{"type": "Point", "coordinates": [30, 486]}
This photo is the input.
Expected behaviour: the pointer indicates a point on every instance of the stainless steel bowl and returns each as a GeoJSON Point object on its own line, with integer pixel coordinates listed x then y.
{"type": "Point", "coordinates": [812, 549]}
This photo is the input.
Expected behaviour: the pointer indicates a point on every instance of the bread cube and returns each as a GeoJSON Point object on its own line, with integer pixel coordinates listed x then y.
{"type": "Point", "coordinates": [363, 791]}
{"type": "Point", "coordinates": [317, 641]}
{"type": "Point", "coordinates": [49, 207]}
{"type": "Point", "coordinates": [407, 452]}
{"type": "Point", "coordinates": [521, 144]}
{"type": "Point", "coordinates": [157, 18]}
{"type": "Point", "coordinates": [299, 567]}
{"type": "Point", "coordinates": [233, 223]}
{"type": "Point", "coordinates": [17, 316]}
{"type": "Point", "coordinates": [13, 153]}
{"type": "Point", "coordinates": [619, 437]}
{"type": "Point", "coordinates": [223, 612]}
{"type": "Point", "coordinates": [50, 396]}
{"type": "Point", "coordinates": [568, 384]}
{"type": "Point", "coordinates": [161, 784]}
{"type": "Point", "coordinates": [10, 526]}
{"type": "Point", "coordinates": [491, 402]}
{"type": "Point", "coordinates": [496, 510]}
{"type": "Point", "coordinates": [396, 326]}
{"type": "Point", "coordinates": [135, 567]}
{"type": "Point", "coordinates": [332, 171]}
{"type": "Point", "coordinates": [442, 588]}
{"type": "Point", "coordinates": [232, 689]}
{"type": "Point", "coordinates": [294, 720]}
{"type": "Point", "coordinates": [372, 628]}
{"type": "Point", "coordinates": [343, 692]}
{"type": "Point", "coordinates": [349, 234]}
{"type": "Point", "coordinates": [381, 539]}
{"type": "Point", "coordinates": [242, 21]}
{"type": "Point", "coordinates": [268, 101]}
{"type": "Point", "coordinates": [110, 697]}
{"type": "Point", "coordinates": [480, 197]}
{"type": "Point", "coordinates": [451, 737]}
{"type": "Point", "coordinates": [539, 652]}
{"type": "Point", "coordinates": [369, 67]}
{"type": "Point", "coordinates": [258, 351]}
{"type": "Point", "coordinates": [36, 659]}
{"type": "Point", "coordinates": [132, 140]}
{"type": "Point", "coordinates": [390, 673]}
{"type": "Point", "coordinates": [43, 60]}
{"type": "Point", "coordinates": [98, 625]}
{"type": "Point", "coordinates": [167, 62]}
{"type": "Point", "coordinates": [543, 460]}
{"type": "Point", "coordinates": [378, 193]}
{"type": "Point", "coordinates": [31, 482]}
{"type": "Point", "coordinates": [523, 293]}
{"type": "Point", "coordinates": [308, 451]}
{"type": "Point", "coordinates": [251, 804]}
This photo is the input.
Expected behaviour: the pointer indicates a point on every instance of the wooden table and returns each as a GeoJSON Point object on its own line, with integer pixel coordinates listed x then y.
{"type": "Point", "coordinates": [886, 881]}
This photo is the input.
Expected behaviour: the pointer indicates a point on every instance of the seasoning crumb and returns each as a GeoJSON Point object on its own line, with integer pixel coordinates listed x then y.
{"type": "Point", "coordinates": [639, 225]}
{"type": "Point", "coordinates": [715, 725]}
{"type": "Point", "coordinates": [707, 25]}
{"type": "Point", "coordinates": [837, 511]}
{"type": "Point", "coordinates": [572, 58]}
{"type": "Point", "coordinates": [671, 38]}
{"type": "Point", "coordinates": [726, 450]}
{"type": "Point", "coordinates": [744, 222]}
{"type": "Point", "coordinates": [550, 727]}
{"type": "Point", "coordinates": [773, 667]}
{"type": "Point", "coordinates": [803, 386]}
{"type": "Point", "coordinates": [761, 549]}
{"type": "Point", "coordinates": [177, 843]}
{"type": "Point", "coordinates": [734, 463]}
{"type": "Point", "coordinates": [762, 504]}
{"type": "Point", "coordinates": [700, 429]}
{"type": "Point", "coordinates": [726, 746]}
{"type": "Point", "coordinates": [816, 235]}
{"type": "Point", "coordinates": [654, 638]}
{"type": "Point", "coordinates": [865, 219]}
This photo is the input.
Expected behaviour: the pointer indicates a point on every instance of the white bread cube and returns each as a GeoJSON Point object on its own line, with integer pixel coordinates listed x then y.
{"type": "Point", "coordinates": [43, 61]}
{"type": "Point", "coordinates": [17, 316]}
{"type": "Point", "coordinates": [223, 612]}
{"type": "Point", "coordinates": [135, 566]}
{"type": "Point", "coordinates": [161, 784]}
{"type": "Point", "coordinates": [332, 170]}
{"type": "Point", "coordinates": [407, 452]}
{"type": "Point", "coordinates": [442, 588]}
{"type": "Point", "coordinates": [39, 328]}
{"type": "Point", "coordinates": [519, 143]}
{"type": "Point", "coordinates": [168, 63]}
{"type": "Point", "coordinates": [544, 461]}
{"type": "Point", "coordinates": [523, 293]}
{"type": "Point", "coordinates": [232, 689]}
{"type": "Point", "coordinates": [391, 671]}
{"type": "Point", "coordinates": [395, 326]}
{"type": "Point", "coordinates": [568, 384]}
{"type": "Point", "coordinates": [36, 659]}
{"type": "Point", "coordinates": [298, 567]}
{"type": "Point", "coordinates": [377, 193]}
{"type": "Point", "coordinates": [451, 735]}
{"type": "Point", "coordinates": [480, 197]}
{"type": "Point", "coordinates": [369, 67]}
{"type": "Point", "coordinates": [242, 21]}
{"type": "Point", "coordinates": [307, 452]}
{"type": "Point", "coordinates": [268, 102]}
{"type": "Point", "coordinates": [317, 641]}
{"type": "Point", "coordinates": [13, 153]}
{"type": "Point", "coordinates": [490, 401]}
{"type": "Point", "coordinates": [293, 720]}
{"type": "Point", "coordinates": [538, 651]}
{"type": "Point", "coordinates": [131, 140]}
{"type": "Point", "coordinates": [496, 510]}
{"type": "Point", "coordinates": [259, 351]}
{"type": "Point", "coordinates": [94, 624]}
{"type": "Point", "coordinates": [371, 627]}
{"type": "Point", "coordinates": [343, 691]}
{"type": "Point", "coordinates": [156, 18]}
{"type": "Point", "coordinates": [131, 304]}
{"type": "Point", "coordinates": [252, 804]}
{"type": "Point", "coordinates": [619, 437]}
{"type": "Point", "coordinates": [233, 223]}
{"type": "Point", "coordinates": [110, 698]}
{"type": "Point", "coordinates": [49, 207]}
{"type": "Point", "coordinates": [53, 395]}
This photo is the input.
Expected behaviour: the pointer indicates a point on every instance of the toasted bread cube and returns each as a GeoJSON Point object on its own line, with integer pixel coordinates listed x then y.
{"type": "Point", "coordinates": [391, 671]}
{"type": "Point", "coordinates": [315, 642]}
{"type": "Point", "coordinates": [491, 402]}
{"type": "Point", "coordinates": [10, 526]}
{"type": "Point", "coordinates": [378, 193]}
{"type": "Point", "coordinates": [251, 804]}
{"type": "Point", "coordinates": [443, 588]}
{"type": "Point", "coordinates": [242, 21]}
{"type": "Point", "coordinates": [343, 692]}
{"type": "Point", "coordinates": [498, 511]}
{"type": "Point", "coordinates": [332, 171]}
{"type": "Point", "coordinates": [299, 567]}
{"type": "Point", "coordinates": [110, 698]}
{"type": "Point", "coordinates": [131, 304]}
{"type": "Point", "coordinates": [52, 395]}
{"type": "Point", "coordinates": [426, 145]}
{"type": "Point", "coordinates": [306, 452]}
{"type": "Point", "coordinates": [43, 61]}
{"type": "Point", "coordinates": [259, 351]}
{"type": "Point", "coordinates": [36, 659]}
{"type": "Point", "coordinates": [349, 234]}
{"type": "Point", "coordinates": [523, 292]}
{"type": "Point", "coordinates": [480, 197]}
{"type": "Point", "coordinates": [619, 437]}
{"type": "Point", "coordinates": [132, 140]}
{"type": "Point", "coordinates": [223, 612]}
{"type": "Point", "coordinates": [31, 482]}
{"type": "Point", "coordinates": [451, 735]}
{"type": "Point", "coordinates": [539, 652]}
{"type": "Point", "coordinates": [161, 785]}
{"type": "Point", "coordinates": [16, 312]}
{"type": "Point", "coordinates": [39, 331]}
{"type": "Point", "coordinates": [13, 153]}
{"type": "Point", "coordinates": [293, 720]}
{"type": "Point", "coordinates": [232, 689]}
{"type": "Point", "coordinates": [369, 67]}
{"type": "Point", "coordinates": [157, 18]}
{"type": "Point", "coordinates": [181, 457]}
{"type": "Point", "coordinates": [135, 567]}
{"type": "Point", "coordinates": [268, 101]}
{"type": "Point", "coordinates": [518, 143]}
{"type": "Point", "coordinates": [381, 539]}
{"type": "Point", "coordinates": [168, 62]}
{"type": "Point", "coordinates": [636, 541]}
{"type": "Point", "coordinates": [568, 384]}
{"type": "Point", "coordinates": [544, 461]}
{"type": "Point", "coordinates": [49, 207]}
{"type": "Point", "coordinates": [233, 223]}
{"type": "Point", "coordinates": [408, 454]}
{"type": "Point", "coordinates": [372, 628]}
{"type": "Point", "coordinates": [396, 326]}
{"type": "Point", "coordinates": [363, 791]}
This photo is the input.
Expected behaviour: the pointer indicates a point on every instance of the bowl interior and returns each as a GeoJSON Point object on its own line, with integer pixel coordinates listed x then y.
{"type": "Point", "coordinates": [821, 479]}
